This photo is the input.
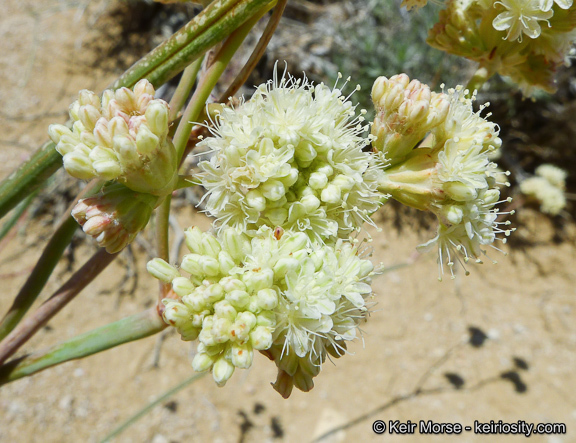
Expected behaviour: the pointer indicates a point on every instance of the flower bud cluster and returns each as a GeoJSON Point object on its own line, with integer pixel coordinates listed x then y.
{"type": "Point", "coordinates": [276, 291]}
{"type": "Point", "coordinates": [492, 33]}
{"type": "Point", "coordinates": [115, 216]}
{"type": "Point", "coordinates": [453, 177]}
{"type": "Point", "coordinates": [547, 187]}
{"type": "Point", "coordinates": [405, 112]}
{"type": "Point", "coordinates": [292, 157]}
{"type": "Point", "coordinates": [121, 137]}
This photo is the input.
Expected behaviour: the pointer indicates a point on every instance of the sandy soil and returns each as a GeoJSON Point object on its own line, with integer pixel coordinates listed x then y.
{"type": "Point", "coordinates": [497, 345]}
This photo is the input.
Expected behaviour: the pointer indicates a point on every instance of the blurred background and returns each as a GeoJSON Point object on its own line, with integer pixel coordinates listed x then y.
{"type": "Point", "coordinates": [497, 345]}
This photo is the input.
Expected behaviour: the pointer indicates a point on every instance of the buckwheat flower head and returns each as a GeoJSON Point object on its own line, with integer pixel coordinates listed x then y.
{"type": "Point", "coordinates": [291, 156]}
{"type": "Point", "coordinates": [451, 174]}
{"type": "Point", "coordinates": [522, 17]}
{"type": "Point", "coordinates": [547, 187]}
{"type": "Point", "coordinates": [491, 33]}
{"type": "Point", "coordinates": [275, 292]}
{"type": "Point", "coordinates": [122, 137]}
{"type": "Point", "coordinates": [115, 216]}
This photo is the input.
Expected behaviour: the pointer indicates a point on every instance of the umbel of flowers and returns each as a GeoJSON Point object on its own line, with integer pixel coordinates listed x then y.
{"type": "Point", "coordinates": [122, 137]}
{"type": "Point", "coordinates": [275, 292]}
{"type": "Point", "coordinates": [292, 156]}
{"type": "Point", "coordinates": [526, 40]}
{"type": "Point", "coordinates": [450, 173]}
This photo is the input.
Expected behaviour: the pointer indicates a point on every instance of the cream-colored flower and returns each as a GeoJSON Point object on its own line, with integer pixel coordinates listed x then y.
{"type": "Point", "coordinates": [275, 292]}
{"type": "Point", "coordinates": [521, 17]}
{"type": "Point", "coordinates": [452, 175]}
{"type": "Point", "coordinates": [547, 187]}
{"type": "Point", "coordinates": [292, 156]}
{"type": "Point", "coordinates": [122, 137]}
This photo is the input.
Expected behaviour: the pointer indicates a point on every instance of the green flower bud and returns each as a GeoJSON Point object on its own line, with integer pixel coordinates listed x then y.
{"type": "Point", "coordinates": [222, 371]}
{"type": "Point", "coordinates": [182, 286]}
{"type": "Point", "coordinates": [202, 362]}
{"type": "Point", "coordinates": [162, 270]}
{"type": "Point", "coordinates": [194, 240]}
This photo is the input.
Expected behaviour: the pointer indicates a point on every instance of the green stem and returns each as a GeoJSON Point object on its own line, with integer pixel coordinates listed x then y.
{"type": "Point", "coordinates": [162, 239]}
{"type": "Point", "coordinates": [481, 76]}
{"type": "Point", "coordinates": [29, 177]}
{"type": "Point", "coordinates": [202, 93]}
{"type": "Point", "coordinates": [44, 267]}
{"type": "Point", "coordinates": [209, 27]}
{"type": "Point", "coordinates": [6, 227]}
{"type": "Point", "coordinates": [184, 88]}
{"type": "Point", "coordinates": [142, 412]}
{"type": "Point", "coordinates": [114, 334]}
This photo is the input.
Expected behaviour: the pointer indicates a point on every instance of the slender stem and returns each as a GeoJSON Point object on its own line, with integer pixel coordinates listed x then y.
{"type": "Point", "coordinates": [481, 76]}
{"type": "Point", "coordinates": [184, 87]}
{"type": "Point", "coordinates": [258, 52]}
{"type": "Point", "coordinates": [142, 412]}
{"type": "Point", "coordinates": [214, 23]}
{"type": "Point", "coordinates": [29, 177]}
{"type": "Point", "coordinates": [81, 278]}
{"type": "Point", "coordinates": [208, 82]}
{"type": "Point", "coordinates": [7, 227]}
{"type": "Point", "coordinates": [162, 239]}
{"type": "Point", "coordinates": [123, 331]}
{"type": "Point", "coordinates": [45, 265]}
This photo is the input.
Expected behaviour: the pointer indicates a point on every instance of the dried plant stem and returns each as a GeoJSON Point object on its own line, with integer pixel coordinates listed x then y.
{"type": "Point", "coordinates": [45, 265]}
{"type": "Point", "coordinates": [27, 328]}
{"type": "Point", "coordinates": [258, 52]}
{"type": "Point", "coordinates": [184, 88]}
{"type": "Point", "coordinates": [114, 334]}
{"type": "Point", "coordinates": [209, 80]}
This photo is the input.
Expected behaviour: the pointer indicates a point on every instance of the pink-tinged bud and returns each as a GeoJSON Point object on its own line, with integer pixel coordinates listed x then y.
{"type": "Point", "coordinates": [143, 87]}
{"type": "Point", "coordinates": [115, 216]}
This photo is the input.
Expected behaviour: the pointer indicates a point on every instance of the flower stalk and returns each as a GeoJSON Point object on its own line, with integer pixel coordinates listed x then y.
{"type": "Point", "coordinates": [44, 267]}
{"type": "Point", "coordinates": [131, 328]}
{"type": "Point", "coordinates": [81, 278]}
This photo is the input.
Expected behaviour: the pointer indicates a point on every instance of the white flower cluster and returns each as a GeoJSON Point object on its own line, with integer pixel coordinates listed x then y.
{"type": "Point", "coordinates": [121, 137]}
{"type": "Point", "coordinates": [547, 187]}
{"type": "Point", "coordinates": [450, 175]}
{"type": "Point", "coordinates": [523, 16]}
{"type": "Point", "coordinates": [292, 156]}
{"type": "Point", "coordinates": [491, 33]}
{"type": "Point", "coordinates": [274, 292]}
